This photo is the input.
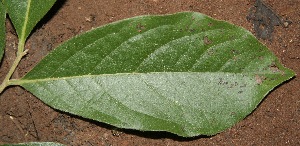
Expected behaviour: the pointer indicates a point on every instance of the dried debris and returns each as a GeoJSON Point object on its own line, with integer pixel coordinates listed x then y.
{"type": "Point", "coordinates": [264, 20]}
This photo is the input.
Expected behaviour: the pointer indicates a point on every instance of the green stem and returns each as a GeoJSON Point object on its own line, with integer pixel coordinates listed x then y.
{"type": "Point", "coordinates": [20, 55]}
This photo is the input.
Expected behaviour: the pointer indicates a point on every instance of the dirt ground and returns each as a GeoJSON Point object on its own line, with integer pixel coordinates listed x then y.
{"type": "Point", "coordinates": [24, 118]}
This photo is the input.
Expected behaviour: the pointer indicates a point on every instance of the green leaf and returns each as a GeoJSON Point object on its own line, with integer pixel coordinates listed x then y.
{"type": "Point", "coordinates": [25, 14]}
{"type": "Point", "coordinates": [35, 144]}
{"type": "Point", "coordinates": [2, 29]}
{"type": "Point", "coordinates": [184, 73]}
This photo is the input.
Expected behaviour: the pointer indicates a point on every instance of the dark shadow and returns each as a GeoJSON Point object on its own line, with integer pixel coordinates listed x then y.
{"type": "Point", "coordinates": [49, 15]}
{"type": "Point", "coordinates": [161, 134]}
{"type": "Point", "coordinates": [145, 134]}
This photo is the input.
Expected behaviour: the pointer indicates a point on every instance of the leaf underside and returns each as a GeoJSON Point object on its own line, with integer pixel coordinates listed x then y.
{"type": "Point", "coordinates": [184, 73]}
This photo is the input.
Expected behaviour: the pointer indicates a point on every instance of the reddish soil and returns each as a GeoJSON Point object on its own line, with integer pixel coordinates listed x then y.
{"type": "Point", "coordinates": [275, 122]}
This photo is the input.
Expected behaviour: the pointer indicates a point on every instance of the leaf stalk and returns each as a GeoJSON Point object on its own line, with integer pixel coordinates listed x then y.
{"type": "Point", "coordinates": [20, 55]}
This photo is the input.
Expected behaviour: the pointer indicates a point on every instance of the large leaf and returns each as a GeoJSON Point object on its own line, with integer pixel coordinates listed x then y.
{"type": "Point", "coordinates": [25, 14]}
{"type": "Point", "coordinates": [184, 73]}
{"type": "Point", "coordinates": [2, 29]}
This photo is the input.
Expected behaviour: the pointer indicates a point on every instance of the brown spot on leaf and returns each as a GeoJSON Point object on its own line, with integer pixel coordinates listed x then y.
{"type": "Point", "coordinates": [140, 27]}
{"type": "Point", "coordinates": [259, 79]}
{"type": "Point", "coordinates": [261, 58]}
{"type": "Point", "coordinates": [206, 40]}
{"type": "Point", "coordinates": [275, 69]}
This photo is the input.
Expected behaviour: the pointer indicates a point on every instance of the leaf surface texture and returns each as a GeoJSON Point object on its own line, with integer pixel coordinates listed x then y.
{"type": "Point", "coordinates": [184, 73]}
{"type": "Point", "coordinates": [25, 14]}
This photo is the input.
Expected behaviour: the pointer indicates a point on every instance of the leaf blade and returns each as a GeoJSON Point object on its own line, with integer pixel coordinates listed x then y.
{"type": "Point", "coordinates": [149, 72]}
{"type": "Point", "coordinates": [26, 14]}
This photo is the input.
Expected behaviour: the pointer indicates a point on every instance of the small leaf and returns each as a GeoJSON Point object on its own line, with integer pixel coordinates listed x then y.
{"type": "Point", "coordinates": [35, 144]}
{"type": "Point", "coordinates": [2, 29]}
{"type": "Point", "coordinates": [25, 14]}
{"type": "Point", "coordinates": [184, 73]}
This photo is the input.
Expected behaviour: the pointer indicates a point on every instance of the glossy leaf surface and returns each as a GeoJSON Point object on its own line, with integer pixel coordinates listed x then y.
{"type": "Point", "coordinates": [184, 73]}
{"type": "Point", "coordinates": [25, 14]}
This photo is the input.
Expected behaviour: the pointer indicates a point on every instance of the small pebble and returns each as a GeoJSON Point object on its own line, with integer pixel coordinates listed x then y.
{"type": "Point", "coordinates": [286, 24]}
